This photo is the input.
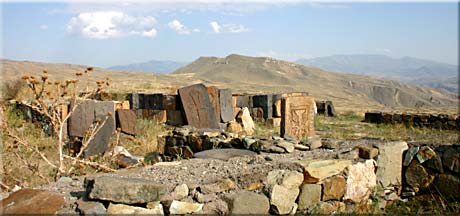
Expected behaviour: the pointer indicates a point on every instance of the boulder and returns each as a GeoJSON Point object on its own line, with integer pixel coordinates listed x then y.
{"type": "Point", "coordinates": [124, 190]}
{"type": "Point", "coordinates": [178, 207]}
{"type": "Point", "coordinates": [283, 187]}
{"type": "Point", "coordinates": [90, 208]}
{"type": "Point", "coordinates": [318, 170]}
{"type": "Point", "coordinates": [217, 207]}
{"type": "Point", "coordinates": [361, 180]}
{"type": "Point", "coordinates": [314, 143]}
{"type": "Point", "coordinates": [417, 177]}
{"type": "Point", "coordinates": [451, 160]}
{"type": "Point", "coordinates": [447, 185]}
{"type": "Point", "coordinates": [244, 118]}
{"type": "Point", "coordinates": [282, 199]}
{"type": "Point", "coordinates": [180, 192]}
{"type": "Point", "coordinates": [328, 208]}
{"type": "Point", "coordinates": [389, 163]}
{"type": "Point", "coordinates": [334, 188]}
{"type": "Point", "coordinates": [127, 209]}
{"type": "Point", "coordinates": [245, 202]}
{"type": "Point", "coordinates": [31, 201]}
{"type": "Point", "coordinates": [310, 194]}
{"type": "Point", "coordinates": [425, 153]}
{"type": "Point", "coordinates": [368, 152]}
{"type": "Point", "coordinates": [218, 187]}
{"type": "Point", "coordinates": [287, 146]}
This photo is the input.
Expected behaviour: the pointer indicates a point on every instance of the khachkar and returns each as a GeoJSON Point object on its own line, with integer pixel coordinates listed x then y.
{"type": "Point", "coordinates": [297, 116]}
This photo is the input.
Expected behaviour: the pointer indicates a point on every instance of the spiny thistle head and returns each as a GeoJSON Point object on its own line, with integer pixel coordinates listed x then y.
{"type": "Point", "coordinates": [44, 77]}
{"type": "Point", "coordinates": [25, 77]}
{"type": "Point", "coordinates": [45, 71]}
{"type": "Point", "coordinates": [57, 83]}
{"type": "Point", "coordinates": [78, 74]}
{"type": "Point", "coordinates": [34, 81]}
{"type": "Point", "coordinates": [89, 68]}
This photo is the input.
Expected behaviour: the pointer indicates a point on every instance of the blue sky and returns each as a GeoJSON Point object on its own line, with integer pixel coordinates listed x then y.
{"type": "Point", "coordinates": [114, 33]}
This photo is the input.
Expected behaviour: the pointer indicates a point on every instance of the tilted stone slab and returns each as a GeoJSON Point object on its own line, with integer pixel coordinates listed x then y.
{"type": "Point", "coordinates": [197, 107]}
{"type": "Point", "coordinates": [213, 93]}
{"type": "Point", "coordinates": [125, 190]}
{"type": "Point", "coordinates": [101, 139]}
{"type": "Point", "coordinates": [171, 102]}
{"type": "Point", "coordinates": [31, 201]}
{"type": "Point", "coordinates": [225, 105]}
{"type": "Point", "coordinates": [82, 118]}
{"type": "Point", "coordinates": [174, 118]}
{"type": "Point", "coordinates": [127, 121]}
{"type": "Point", "coordinates": [297, 117]}
{"type": "Point", "coordinates": [390, 163]}
{"type": "Point", "coordinates": [244, 101]}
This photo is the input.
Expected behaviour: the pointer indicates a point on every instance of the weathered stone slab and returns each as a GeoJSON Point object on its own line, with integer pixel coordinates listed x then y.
{"type": "Point", "coordinates": [257, 113]}
{"type": "Point", "coordinates": [90, 208]}
{"type": "Point", "coordinates": [31, 201]}
{"type": "Point", "coordinates": [160, 115]}
{"type": "Point", "coordinates": [178, 207]}
{"type": "Point", "coordinates": [121, 209]}
{"type": "Point", "coordinates": [417, 177]}
{"type": "Point", "coordinates": [277, 105]}
{"type": "Point", "coordinates": [197, 107]}
{"type": "Point", "coordinates": [318, 170]}
{"type": "Point", "coordinates": [246, 202]}
{"type": "Point", "coordinates": [297, 117]}
{"type": "Point", "coordinates": [243, 101]}
{"type": "Point", "coordinates": [136, 101]}
{"type": "Point", "coordinates": [100, 142]}
{"type": "Point", "coordinates": [225, 105]}
{"type": "Point", "coordinates": [361, 180]}
{"type": "Point", "coordinates": [265, 102]}
{"type": "Point", "coordinates": [390, 162]}
{"type": "Point", "coordinates": [274, 122]}
{"type": "Point", "coordinates": [170, 102]}
{"type": "Point", "coordinates": [310, 194]}
{"type": "Point", "coordinates": [213, 93]}
{"type": "Point", "coordinates": [82, 118]}
{"type": "Point", "coordinates": [125, 190]}
{"type": "Point", "coordinates": [174, 118]}
{"type": "Point", "coordinates": [334, 188]}
{"type": "Point", "coordinates": [127, 121]}
{"type": "Point", "coordinates": [244, 117]}
{"type": "Point", "coordinates": [223, 154]}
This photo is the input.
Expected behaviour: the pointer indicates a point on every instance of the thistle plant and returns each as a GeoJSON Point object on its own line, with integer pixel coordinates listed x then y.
{"type": "Point", "coordinates": [50, 99]}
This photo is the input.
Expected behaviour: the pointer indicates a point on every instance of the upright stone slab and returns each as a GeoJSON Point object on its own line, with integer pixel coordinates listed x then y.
{"type": "Point", "coordinates": [213, 93]}
{"type": "Point", "coordinates": [174, 118]}
{"type": "Point", "coordinates": [265, 102]}
{"type": "Point", "coordinates": [297, 117]}
{"type": "Point", "coordinates": [170, 102]}
{"type": "Point", "coordinates": [276, 100]}
{"type": "Point", "coordinates": [127, 121]}
{"type": "Point", "coordinates": [101, 140]}
{"type": "Point", "coordinates": [136, 101]}
{"type": "Point", "coordinates": [225, 104]}
{"type": "Point", "coordinates": [82, 118]}
{"type": "Point", "coordinates": [390, 163]}
{"type": "Point", "coordinates": [197, 107]}
{"type": "Point", "coordinates": [244, 101]}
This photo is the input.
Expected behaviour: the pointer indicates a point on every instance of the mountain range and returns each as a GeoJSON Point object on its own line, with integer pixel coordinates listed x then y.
{"type": "Point", "coordinates": [256, 75]}
{"type": "Point", "coordinates": [151, 66]}
{"type": "Point", "coordinates": [407, 69]}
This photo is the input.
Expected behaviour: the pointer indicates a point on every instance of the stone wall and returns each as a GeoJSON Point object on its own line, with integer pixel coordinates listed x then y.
{"type": "Point", "coordinates": [433, 170]}
{"type": "Point", "coordinates": [439, 121]}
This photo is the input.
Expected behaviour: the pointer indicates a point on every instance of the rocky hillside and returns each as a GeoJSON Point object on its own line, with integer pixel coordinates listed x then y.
{"type": "Point", "coordinates": [245, 73]}
{"type": "Point", "coordinates": [151, 66]}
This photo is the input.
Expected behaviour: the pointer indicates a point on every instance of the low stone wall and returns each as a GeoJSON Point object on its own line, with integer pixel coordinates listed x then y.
{"type": "Point", "coordinates": [432, 170]}
{"type": "Point", "coordinates": [440, 121]}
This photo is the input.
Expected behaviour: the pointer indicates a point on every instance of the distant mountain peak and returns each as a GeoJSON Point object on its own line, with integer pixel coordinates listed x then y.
{"type": "Point", "coordinates": [406, 69]}
{"type": "Point", "coordinates": [156, 66]}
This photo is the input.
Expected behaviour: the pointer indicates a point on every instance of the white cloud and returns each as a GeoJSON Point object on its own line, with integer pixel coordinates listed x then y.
{"type": "Point", "coordinates": [44, 27]}
{"type": "Point", "coordinates": [383, 50]}
{"type": "Point", "coordinates": [227, 28]}
{"type": "Point", "coordinates": [269, 53]}
{"type": "Point", "coordinates": [111, 24]}
{"type": "Point", "coordinates": [177, 26]}
{"type": "Point", "coordinates": [215, 27]}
